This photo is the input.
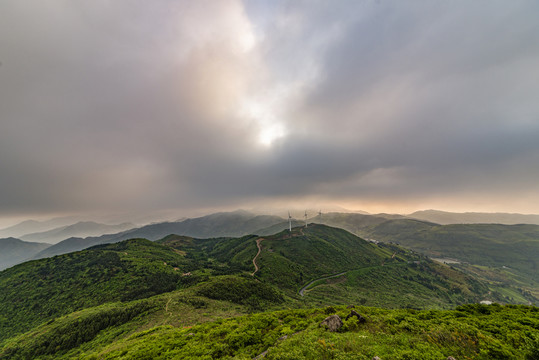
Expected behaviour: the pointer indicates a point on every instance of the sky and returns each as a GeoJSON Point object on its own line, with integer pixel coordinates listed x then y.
{"type": "Point", "coordinates": [132, 106]}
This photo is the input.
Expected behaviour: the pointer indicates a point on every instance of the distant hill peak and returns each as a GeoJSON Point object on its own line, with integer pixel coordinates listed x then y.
{"type": "Point", "coordinates": [446, 218]}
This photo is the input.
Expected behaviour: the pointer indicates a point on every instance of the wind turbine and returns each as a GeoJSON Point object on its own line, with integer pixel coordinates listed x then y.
{"type": "Point", "coordinates": [320, 215]}
{"type": "Point", "coordinates": [289, 222]}
{"type": "Point", "coordinates": [305, 218]}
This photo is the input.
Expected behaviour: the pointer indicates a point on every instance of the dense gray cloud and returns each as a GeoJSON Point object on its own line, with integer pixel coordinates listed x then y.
{"type": "Point", "coordinates": [122, 105]}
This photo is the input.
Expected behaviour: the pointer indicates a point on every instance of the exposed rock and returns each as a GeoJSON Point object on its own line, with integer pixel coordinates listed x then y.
{"type": "Point", "coordinates": [333, 323]}
{"type": "Point", "coordinates": [451, 358]}
{"type": "Point", "coordinates": [360, 319]}
{"type": "Point", "coordinates": [376, 358]}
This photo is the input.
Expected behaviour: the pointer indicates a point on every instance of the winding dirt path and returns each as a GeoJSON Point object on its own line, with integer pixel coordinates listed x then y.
{"type": "Point", "coordinates": [258, 241]}
{"type": "Point", "coordinates": [301, 292]}
{"type": "Point", "coordinates": [322, 278]}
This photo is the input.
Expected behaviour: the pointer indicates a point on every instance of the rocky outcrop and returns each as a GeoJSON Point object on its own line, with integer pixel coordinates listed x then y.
{"type": "Point", "coordinates": [332, 323]}
{"type": "Point", "coordinates": [360, 319]}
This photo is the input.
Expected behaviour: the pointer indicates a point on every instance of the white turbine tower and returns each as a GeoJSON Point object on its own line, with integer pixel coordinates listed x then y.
{"type": "Point", "coordinates": [289, 222]}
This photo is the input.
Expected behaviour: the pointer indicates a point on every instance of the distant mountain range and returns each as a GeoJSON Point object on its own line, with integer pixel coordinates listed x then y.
{"type": "Point", "coordinates": [80, 229]}
{"type": "Point", "coordinates": [14, 251]}
{"type": "Point", "coordinates": [445, 218]}
{"type": "Point", "coordinates": [82, 235]}
{"type": "Point", "coordinates": [224, 224]}
{"type": "Point", "coordinates": [227, 224]}
{"type": "Point", "coordinates": [33, 226]}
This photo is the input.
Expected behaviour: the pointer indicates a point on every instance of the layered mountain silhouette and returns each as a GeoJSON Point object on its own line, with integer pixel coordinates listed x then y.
{"type": "Point", "coordinates": [79, 229]}
{"type": "Point", "coordinates": [445, 218]}
{"type": "Point", "coordinates": [14, 251]}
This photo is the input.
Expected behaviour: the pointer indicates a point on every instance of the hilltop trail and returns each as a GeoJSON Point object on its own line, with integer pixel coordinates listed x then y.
{"type": "Point", "coordinates": [321, 278]}
{"type": "Point", "coordinates": [301, 292]}
{"type": "Point", "coordinates": [258, 241]}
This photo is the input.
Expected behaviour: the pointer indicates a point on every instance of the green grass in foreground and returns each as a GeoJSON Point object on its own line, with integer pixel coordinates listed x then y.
{"type": "Point", "coordinates": [468, 332]}
{"type": "Point", "coordinates": [471, 331]}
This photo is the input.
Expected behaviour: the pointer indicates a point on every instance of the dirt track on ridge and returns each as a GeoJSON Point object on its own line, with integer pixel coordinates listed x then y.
{"type": "Point", "coordinates": [258, 241]}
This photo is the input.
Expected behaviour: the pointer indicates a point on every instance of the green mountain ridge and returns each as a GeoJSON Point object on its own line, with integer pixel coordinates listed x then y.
{"type": "Point", "coordinates": [509, 253]}
{"type": "Point", "coordinates": [180, 297]}
{"type": "Point", "coordinates": [231, 224]}
{"type": "Point", "coordinates": [39, 290]}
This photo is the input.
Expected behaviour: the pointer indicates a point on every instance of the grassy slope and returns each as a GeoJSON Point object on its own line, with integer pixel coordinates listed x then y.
{"type": "Point", "coordinates": [425, 285]}
{"type": "Point", "coordinates": [471, 331]}
{"type": "Point", "coordinates": [39, 290]}
{"type": "Point", "coordinates": [291, 260]}
{"type": "Point", "coordinates": [510, 251]}
{"type": "Point", "coordinates": [88, 329]}
{"type": "Point", "coordinates": [137, 271]}
{"type": "Point", "coordinates": [378, 275]}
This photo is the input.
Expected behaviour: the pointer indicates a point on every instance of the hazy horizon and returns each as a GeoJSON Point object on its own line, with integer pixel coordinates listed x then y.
{"type": "Point", "coordinates": [179, 108]}
{"type": "Point", "coordinates": [141, 220]}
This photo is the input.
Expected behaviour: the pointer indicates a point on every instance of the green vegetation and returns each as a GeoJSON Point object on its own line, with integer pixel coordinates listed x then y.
{"type": "Point", "coordinates": [73, 330]}
{"type": "Point", "coordinates": [470, 331]}
{"type": "Point", "coordinates": [289, 260]}
{"type": "Point", "coordinates": [40, 290]}
{"type": "Point", "coordinates": [182, 297]}
{"type": "Point", "coordinates": [240, 291]}
{"type": "Point", "coordinates": [425, 285]}
{"type": "Point", "coordinates": [507, 253]}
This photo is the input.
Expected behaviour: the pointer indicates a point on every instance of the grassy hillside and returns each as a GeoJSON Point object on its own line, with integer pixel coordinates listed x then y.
{"type": "Point", "coordinates": [376, 275]}
{"type": "Point", "coordinates": [511, 251]}
{"type": "Point", "coordinates": [290, 259]}
{"type": "Point", "coordinates": [137, 297]}
{"type": "Point", "coordinates": [468, 332]}
{"type": "Point", "coordinates": [39, 290]}
{"type": "Point", "coordinates": [418, 286]}
{"type": "Point", "coordinates": [119, 332]}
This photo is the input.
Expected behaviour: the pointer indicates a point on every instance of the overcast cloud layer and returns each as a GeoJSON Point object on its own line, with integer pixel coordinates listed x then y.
{"type": "Point", "coordinates": [132, 105]}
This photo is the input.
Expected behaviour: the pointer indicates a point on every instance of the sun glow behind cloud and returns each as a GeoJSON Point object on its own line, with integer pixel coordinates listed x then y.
{"type": "Point", "coordinates": [266, 121]}
{"type": "Point", "coordinates": [320, 99]}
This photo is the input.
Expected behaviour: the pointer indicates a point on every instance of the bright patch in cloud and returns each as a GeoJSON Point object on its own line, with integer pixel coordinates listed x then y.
{"type": "Point", "coordinates": [266, 121]}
